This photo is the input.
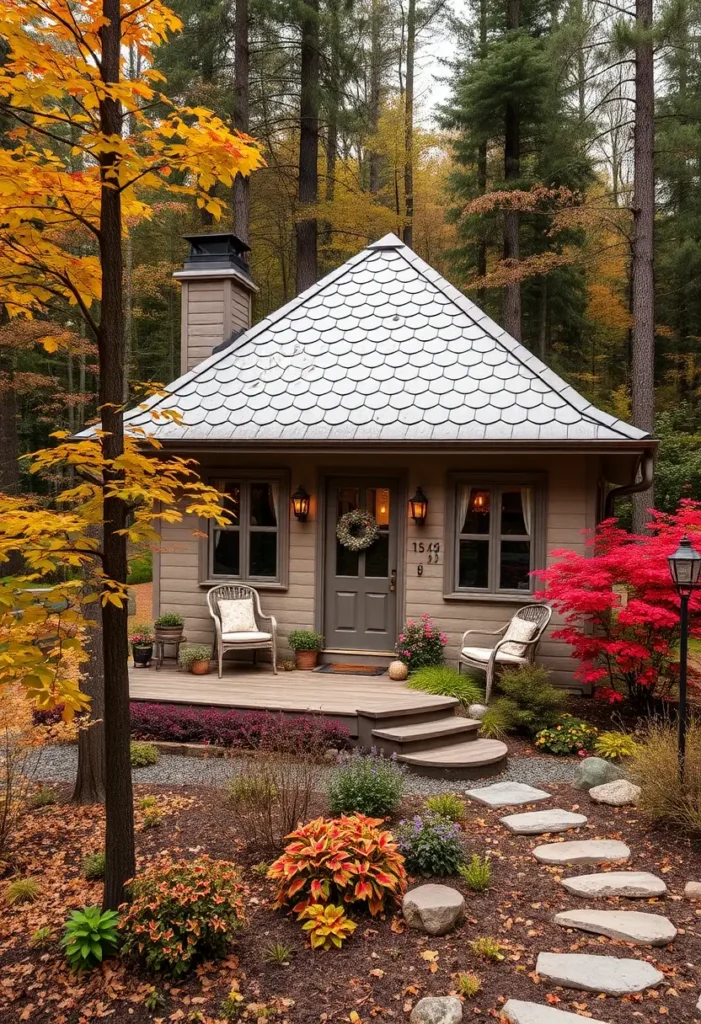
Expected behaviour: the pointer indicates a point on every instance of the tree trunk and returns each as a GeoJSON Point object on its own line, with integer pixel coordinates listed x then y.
{"type": "Point", "coordinates": [482, 165]}
{"type": "Point", "coordinates": [512, 171]}
{"type": "Point", "coordinates": [408, 233]}
{"type": "Point", "coordinates": [241, 114]}
{"type": "Point", "coordinates": [119, 838]}
{"type": "Point", "coordinates": [90, 779]}
{"type": "Point", "coordinates": [308, 186]}
{"type": "Point", "coordinates": [642, 279]}
{"type": "Point", "coordinates": [375, 91]}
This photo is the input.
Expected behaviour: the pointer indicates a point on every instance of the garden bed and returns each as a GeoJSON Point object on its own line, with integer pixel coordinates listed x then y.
{"type": "Point", "coordinates": [380, 972]}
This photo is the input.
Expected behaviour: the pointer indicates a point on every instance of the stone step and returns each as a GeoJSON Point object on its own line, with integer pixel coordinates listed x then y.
{"type": "Point", "coordinates": [583, 851]}
{"type": "Point", "coordinates": [468, 759]}
{"type": "Point", "coordinates": [400, 739]}
{"type": "Point", "coordinates": [519, 1012]}
{"type": "Point", "coordinates": [508, 794]}
{"type": "Point", "coordinates": [628, 925]}
{"type": "Point", "coordinates": [633, 884]}
{"type": "Point", "coordinates": [533, 823]}
{"type": "Point", "coordinates": [609, 974]}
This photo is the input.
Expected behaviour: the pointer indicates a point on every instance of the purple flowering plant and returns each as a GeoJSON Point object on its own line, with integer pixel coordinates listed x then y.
{"type": "Point", "coordinates": [431, 844]}
{"type": "Point", "coordinates": [421, 643]}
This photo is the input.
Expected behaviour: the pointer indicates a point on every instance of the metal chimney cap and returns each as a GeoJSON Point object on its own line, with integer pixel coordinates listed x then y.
{"type": "Point", "coordinates": [219, 250]}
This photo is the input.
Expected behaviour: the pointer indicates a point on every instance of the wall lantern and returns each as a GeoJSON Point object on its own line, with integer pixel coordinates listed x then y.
{"type": "Point", "coordinates": [685, 569]}
{"type": "Point", "coordinates": [300, 503]}
{"type": "Point", "coordinates": [418, 507]}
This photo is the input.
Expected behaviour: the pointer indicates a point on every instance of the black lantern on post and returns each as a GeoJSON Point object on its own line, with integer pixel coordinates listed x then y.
{"type": "Point", "coordinates": [300, 503]}
{"type": "Point", "coordinates": [685, 569]}
{"type": "Point", "coordinates": [418, 507]}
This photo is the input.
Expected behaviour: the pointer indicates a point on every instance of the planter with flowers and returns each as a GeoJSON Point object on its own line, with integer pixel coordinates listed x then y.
{"type": "Point", "coordinates": [195, 658]}
{"type": "Point", "coordinates": [141, 640]}
{"type": "Point", "coordinates": [421, 644]}
{"type": "Point", "coordinates": [169, 627]}
{"type": "Point", "coordinates": [306, 644]}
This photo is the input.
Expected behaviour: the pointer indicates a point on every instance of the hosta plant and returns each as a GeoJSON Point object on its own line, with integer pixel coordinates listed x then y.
{"type": "Point", "coordinates": [615, 745]}
{"type": "Point", "coordinates": [182, 912]}
{"type": "Point", "coordinates": [90, 936]}
{"type": "Point", "coordinates": [350, 860]}
{"type": "Point", "coordinates": [569, 735]}
{"type": "Point", "coordinates": [327, 925]}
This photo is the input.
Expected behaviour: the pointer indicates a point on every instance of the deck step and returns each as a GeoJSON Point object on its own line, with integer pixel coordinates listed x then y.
{"type": "Point", "coordinates": [466, 759]}
{"type": "Point", "coordinates": [401, 739]}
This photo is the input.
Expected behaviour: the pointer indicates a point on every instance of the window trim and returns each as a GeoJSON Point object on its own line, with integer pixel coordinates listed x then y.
{"type": "Point", "coordinates": [536, 480]}
{"type": "Point", "coordinates": [246, 477]}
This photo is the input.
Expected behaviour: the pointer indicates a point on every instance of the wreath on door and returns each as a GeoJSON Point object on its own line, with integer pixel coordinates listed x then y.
{"type": "Point", "coordinates": [357, 530]}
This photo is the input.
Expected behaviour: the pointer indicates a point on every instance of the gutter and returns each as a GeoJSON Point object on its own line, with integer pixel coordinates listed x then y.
{"type": "Point", "coordinates": [646, 465]}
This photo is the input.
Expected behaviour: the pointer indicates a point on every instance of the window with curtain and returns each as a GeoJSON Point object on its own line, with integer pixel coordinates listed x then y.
{"type": "Point", "coordinates": [494, 537]}
{"type": "Point", "coordinates": [248, 548]}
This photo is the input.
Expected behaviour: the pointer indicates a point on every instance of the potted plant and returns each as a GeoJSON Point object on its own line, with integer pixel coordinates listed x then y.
{"type": "Point", "coordinates": [196, 658]}
{"type": "Point", "coordinates": [169, 627]}
{"type": "Point", "coordinates": [306, 644]}
{"type": "Point", "coordinates": [141, 640]}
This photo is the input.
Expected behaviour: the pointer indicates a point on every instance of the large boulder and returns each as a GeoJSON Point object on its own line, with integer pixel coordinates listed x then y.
{"type": "Point", "coordinates": [620, 793]}
{"type": "Point", "coordinates": [434, 909]}
{"type": "Point", "coordinates": [437, 1010]}
{"type": "Point", "coordinates": [595, 771]}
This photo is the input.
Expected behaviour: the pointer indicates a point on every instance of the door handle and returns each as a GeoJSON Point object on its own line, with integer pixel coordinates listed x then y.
{"type": "Point", "coordinates": [393, 581]}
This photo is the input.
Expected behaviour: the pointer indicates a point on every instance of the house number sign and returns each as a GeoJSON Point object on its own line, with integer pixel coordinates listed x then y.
{"type": "Point", "coordinates": [432, 549]}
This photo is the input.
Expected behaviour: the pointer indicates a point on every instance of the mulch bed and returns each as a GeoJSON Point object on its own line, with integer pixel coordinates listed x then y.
{"type": "Point", "coordinates": [380, 973]}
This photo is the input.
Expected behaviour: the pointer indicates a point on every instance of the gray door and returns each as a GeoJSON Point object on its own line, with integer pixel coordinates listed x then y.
{"type": "Point", "coordinates": [360, 601]}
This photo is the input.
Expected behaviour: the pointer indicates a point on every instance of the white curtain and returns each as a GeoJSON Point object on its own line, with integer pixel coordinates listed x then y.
{"type": "Point", "coordinates": [275, 497]}
{"type": "Point", "coordinates": [463, 505]}
{"type": "Point", "coordinates": [527, 508]}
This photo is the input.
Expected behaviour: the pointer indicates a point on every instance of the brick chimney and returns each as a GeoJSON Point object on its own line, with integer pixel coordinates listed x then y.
{"type": "Point", "coordinates": [217, 291]}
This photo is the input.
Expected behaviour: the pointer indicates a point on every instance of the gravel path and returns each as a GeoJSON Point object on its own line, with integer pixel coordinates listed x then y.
{"type": "Point", "coordinates": [58, 764]}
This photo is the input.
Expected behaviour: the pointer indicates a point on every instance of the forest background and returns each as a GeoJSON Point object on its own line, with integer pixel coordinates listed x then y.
{"type": "Point", "coordinates": [515, 179]}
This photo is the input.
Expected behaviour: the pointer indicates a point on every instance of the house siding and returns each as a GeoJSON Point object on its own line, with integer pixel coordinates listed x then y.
{"type": "Point", "coordinates": [211, 310]}
{"type": "Point", "coordinates": [570, 508]}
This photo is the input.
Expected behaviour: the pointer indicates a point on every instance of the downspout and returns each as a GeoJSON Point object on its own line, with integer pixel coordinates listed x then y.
{"type": "Point", "coordinates": [646, 467]}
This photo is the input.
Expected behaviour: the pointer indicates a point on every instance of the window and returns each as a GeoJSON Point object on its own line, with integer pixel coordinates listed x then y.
{"type": "Point", "coordinates": [496, 535]}
{"type": "Point", "coordinates": [249, 546]}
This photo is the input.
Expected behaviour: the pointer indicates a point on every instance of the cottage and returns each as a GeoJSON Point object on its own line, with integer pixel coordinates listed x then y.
{"type": "Point", "coordinates": [381, 388]}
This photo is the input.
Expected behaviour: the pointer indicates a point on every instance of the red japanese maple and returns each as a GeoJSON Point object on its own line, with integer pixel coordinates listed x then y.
{"type": "Point", "coordinates": [620, 608]}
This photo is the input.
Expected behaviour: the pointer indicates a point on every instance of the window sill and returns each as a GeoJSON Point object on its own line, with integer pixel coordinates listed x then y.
{"type": "Point", "coordinates": [232, 581]}
{"type": "Point", "coordinates": [525, 598]}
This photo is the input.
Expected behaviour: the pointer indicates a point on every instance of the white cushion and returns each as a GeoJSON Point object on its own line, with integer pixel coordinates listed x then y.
{"type": "Point", "coordinates": [519, 629]}
{"type": "Point", "coordinates": [237, 616]}
{"type": "Point", "coordinates": [251, 636]}
{"type": "Point", "coordinates": [483, 654]}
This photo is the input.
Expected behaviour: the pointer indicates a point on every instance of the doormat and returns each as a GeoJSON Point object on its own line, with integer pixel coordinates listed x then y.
{"type": "Point", "coordinates": [340, 668]}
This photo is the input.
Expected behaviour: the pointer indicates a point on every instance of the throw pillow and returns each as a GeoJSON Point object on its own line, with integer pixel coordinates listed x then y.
{"type": "Point", "coordinates": [237, 616]}
{"type": "Point", "coordinates": [519, 629]}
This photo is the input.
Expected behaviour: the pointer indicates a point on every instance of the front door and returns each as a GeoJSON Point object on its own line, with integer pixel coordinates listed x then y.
{"type": "Point", "coordinates": [360, 603]}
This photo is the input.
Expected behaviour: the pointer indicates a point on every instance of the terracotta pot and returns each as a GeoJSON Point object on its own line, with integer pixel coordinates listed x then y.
{"type": "Point", "coordinates": [169, 634]}
{"type": "Point", "coordinates": [306, 659]}
{"type": "Point", "coordinates": [142, 654]}
{"type": "Point", "coordinates": [397, 670]}
{"type": "Point", "coordinates": [199, 668]}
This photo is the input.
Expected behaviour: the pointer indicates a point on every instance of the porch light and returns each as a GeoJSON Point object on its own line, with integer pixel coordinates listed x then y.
{"type": "Point", "coordinates": [300, 503]}
{"type": "Point", "coordinates": [685, 569]}
{"type": "Point", "coordinates": [418, 507]}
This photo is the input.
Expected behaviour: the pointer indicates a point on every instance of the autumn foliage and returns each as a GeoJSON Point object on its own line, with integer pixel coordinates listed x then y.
{"type": "Point", "coordinates": [620, 608]}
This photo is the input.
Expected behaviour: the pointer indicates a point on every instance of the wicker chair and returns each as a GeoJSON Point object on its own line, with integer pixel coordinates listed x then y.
{"type": "Point", "coordinates": [263, 638]}
{"type": "Point", "coordinates": [489, 659]}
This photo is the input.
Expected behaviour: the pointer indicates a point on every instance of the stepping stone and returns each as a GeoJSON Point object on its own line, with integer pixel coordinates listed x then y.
{"type": "Point", "coordinates": [635, 884]}
{"type": "Point", "coordinates": [629, 925]}
{"type": "Point", "coordinates": [533, 823]}
{"type": "Point", "coordinates": [620, 793]}
{"type": "Point", "coordinates": [434, 909]}
{"type": "Point", "coordinates": [595, 771]}
{"type": "Point", "coordinates": [437, 1010]}
{"type": "Point", "coordinates": [583, 851]}
{"type": "Point", "coordinates": [519, 1012]}
{"type": "Point", "coordinates": [692, 890]}
{"type": "Point", "coordinates": [609, 974]}
{"type": "Point", "coordinates": [507, 794]}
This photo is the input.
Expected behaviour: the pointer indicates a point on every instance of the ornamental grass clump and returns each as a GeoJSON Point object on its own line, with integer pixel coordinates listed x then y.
{"type": "Point", "coordinates": [446, 681]}
{"type": "Point", "coordinates": [431, 844]}
{"type": "Point", "coordinates": [654, 766]}
{"type": "Point", "coordinates": [477, 873]}
{"type": "Point", "coordinates": [367, 784]}
{"type": "Point", "coordinates": [421, 643]}
{"type": "Point", "coordinates": [182, 912]}
{"type": "Point", "coordinates": [569, 736]}
{"type": "Point", "coordinates": [347, 860]}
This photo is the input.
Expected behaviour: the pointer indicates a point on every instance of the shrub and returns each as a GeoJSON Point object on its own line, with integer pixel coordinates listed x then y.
{"type": "Point", "coordinates": [615, 745]}
{"type": "Point", "coordinates": [431, 845]}
{"type": "Point", "coordinates": [190, 653]}
{"type": "Point", "coordinates": [487, 947]}
{"type": "Point", "coordinates": [244, 730]}
{"type": "Point", "coordinates": [477, 874]}
{"type": "Point", "coordinates": [447, 805]}
{"type": "Point", "coordinates": [305, 640]}
{"type": "Point", "coordinates": [43, 797]}
{"type": "Point", "coordinates": [445, 681]}
{"type": "Point", "coordinates": [170, 620]}
{"type": "Point", "coordinates": [348, 860]}
{"type": "Point", "coordinates": [367, 784]}
{"type": "Point", "coordinates": [499, 719]}
{"type": "Point", "coordinates": [152, 818]}
{"type": "Point", "coordinates": [23, 890]}
{"type": "Point", "coordinates": [421, 644]}
{"type": "Point", "coordinates": [142, 755]}
{"type": "Point", "coordinates": [468, 984]}
{"type": "Point", "coordinates": [182, 912]}
{"type": "Point", "coordinates": [90, 936]}
{"type": "Point", "coordinates": [140, 569]}
{"type": "Point", "coordinates": [654, 766]}
{"type": "Point", "coordinates": [534, 703]}
{"type": "Point", "coordinates": [94, 866]}
{"type": "Point", "coordinates": [327, 926]}
{"type": "Point", "coordinates": [569, 736]}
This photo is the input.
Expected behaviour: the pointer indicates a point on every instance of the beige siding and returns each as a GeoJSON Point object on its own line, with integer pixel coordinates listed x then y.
{"type": "Point", "coordinates": [570, 509]}
{"type": "Point", "coordinates": [211, 310]}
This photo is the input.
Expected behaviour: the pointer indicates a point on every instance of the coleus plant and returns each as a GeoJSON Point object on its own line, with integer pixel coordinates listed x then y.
{"type": "Point", "coordinates": [327, 925]}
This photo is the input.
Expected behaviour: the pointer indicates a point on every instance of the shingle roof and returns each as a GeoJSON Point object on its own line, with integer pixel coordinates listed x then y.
{"type": "Point", "coordinates": [383, 348]}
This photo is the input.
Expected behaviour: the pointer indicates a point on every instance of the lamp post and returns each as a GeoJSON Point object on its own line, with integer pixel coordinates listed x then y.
{"type": "Point", "coordinates": [685, 569]}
